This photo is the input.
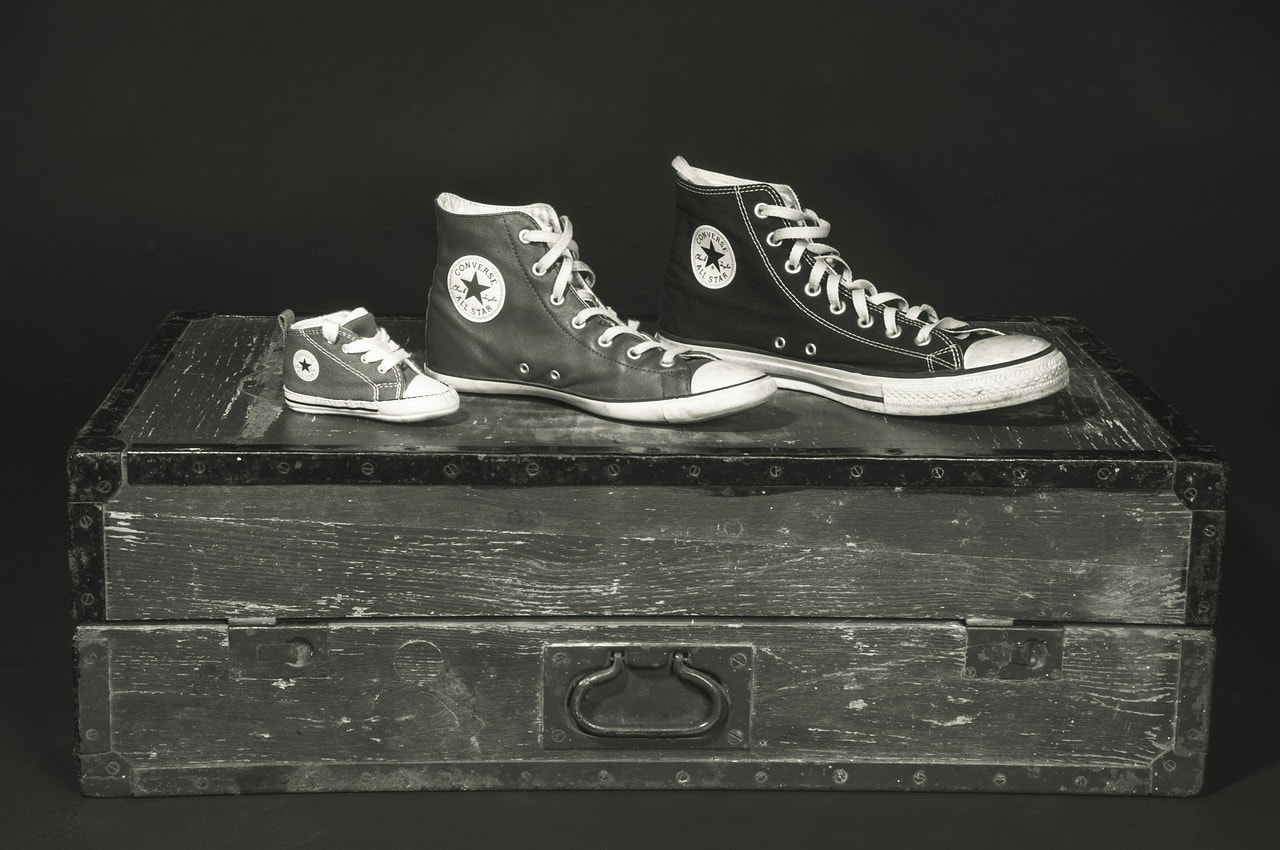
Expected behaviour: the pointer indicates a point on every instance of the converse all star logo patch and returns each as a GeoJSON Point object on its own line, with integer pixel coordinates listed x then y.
{"type": "Point", "coordinates": [305, 365]}
{"type": "Point", "coordinates": [712, 258]}
{"type": "Point", "coordinates": [477, 288]}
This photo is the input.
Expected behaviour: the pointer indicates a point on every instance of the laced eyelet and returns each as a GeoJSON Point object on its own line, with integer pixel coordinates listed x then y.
{"type": "Point", "coordinates": [773, 241]}
{"type": "Point", "coordinates": [868, 323]}
{"type": "Point", "coordinates": [810, 349]}
{"type": "Point", "coordinates": [576, 324]}
{"type": "Point", "coordinates": [556, 301]}
{"type": "Point", "coordinates": [923, 342]}
{"type": "Point", "coordinates": [523, 237]}
{"type": "Point", "coordinates": [779, 342]}
{"type": "Point", "coordinates": [839, 312]}
{"type": "Point", "coordinates": [602, 342]}
{"type": "Point", "coordinates": [538, 269]}
{"type": "Point", "coordinates": [524, 368]}
{"type": "Point", "coordinates": [632, 354]}
{"type": "Point", "coordinates": [812, 291]}
{"type": "Point", "coordinates": [893, 334]}
{"type": "Point", "coordinates": [759, 210]}
{"type": "Point", "coordinates": [792, 269]}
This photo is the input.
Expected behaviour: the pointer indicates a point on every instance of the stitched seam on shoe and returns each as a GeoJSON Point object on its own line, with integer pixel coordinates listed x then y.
{"type": "Point", "coordinates": [394, 384]}
{"type": "Point", "coordinates": [742, 208]}
{"type": "Point", "coordinates": [738, 191]}
{"type": "Point", "coordinates": [377, 395]}
{"type": "Point", "coordinates": [546, 306]}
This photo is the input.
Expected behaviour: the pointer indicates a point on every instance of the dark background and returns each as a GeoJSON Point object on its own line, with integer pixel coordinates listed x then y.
{"type": "Point", "coordinates": [1114, 161]}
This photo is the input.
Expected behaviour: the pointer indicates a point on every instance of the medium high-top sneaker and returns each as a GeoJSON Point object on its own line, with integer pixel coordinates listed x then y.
{"type": "Point", "coordinates": [344, 363]}
{"type": "Point", "coordinates": [748, 281]}
{"type": "Point", "coordinates": [511, 311]}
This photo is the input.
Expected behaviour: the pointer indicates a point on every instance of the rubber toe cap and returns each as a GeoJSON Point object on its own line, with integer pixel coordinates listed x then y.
{"type": "Point", "coordinates": [999, 350]}
{"type": "Point", "coordinates": [717, 374]}
{"type": "Point", "coordinates": [422, 386]}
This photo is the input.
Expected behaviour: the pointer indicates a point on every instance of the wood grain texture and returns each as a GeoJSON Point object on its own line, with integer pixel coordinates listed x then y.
{"type": "Point", "coordinates": [823, 691]}
{"type": "Point", "coordinates": [209, 552]}
{"type": "Point", "coordinates": [221, 385]}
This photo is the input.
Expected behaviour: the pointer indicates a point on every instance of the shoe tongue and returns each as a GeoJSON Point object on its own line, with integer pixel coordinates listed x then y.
{"type": "Point", "coordinates": [789, 196]}
{"type": "Point", "coordinates": [361, 322]}
{"type": "Point", "coordinates": [545, 216]}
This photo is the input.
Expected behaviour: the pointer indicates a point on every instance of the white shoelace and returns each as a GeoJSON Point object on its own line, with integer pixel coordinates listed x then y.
{"type": "Point", "coordinates": [832, 272]}
{"type": "Point", "coordinates": [564, 249]}
{"type": "Point", "coordinates": [380, 346]}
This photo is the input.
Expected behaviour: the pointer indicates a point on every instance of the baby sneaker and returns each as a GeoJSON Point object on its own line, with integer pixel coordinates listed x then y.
{"type": "Point", "coordinates": [344, 363]}
{"type": "Point", "coordinates": [511, 310]}
{"type": "Point", "coordinates": [749, 280]}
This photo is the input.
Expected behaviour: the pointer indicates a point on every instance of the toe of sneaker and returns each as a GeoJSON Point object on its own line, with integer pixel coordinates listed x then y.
{"type": "Point", "coordinates": [999, 350]}
{"type": "Point", "coordinates": [422, 386]}
{"type": "Point", "coordinates": [718, 374]}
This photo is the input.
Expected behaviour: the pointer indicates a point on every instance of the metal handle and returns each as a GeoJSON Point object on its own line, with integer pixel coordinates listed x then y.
{"type": "Point", "coordinates": [717, 712]}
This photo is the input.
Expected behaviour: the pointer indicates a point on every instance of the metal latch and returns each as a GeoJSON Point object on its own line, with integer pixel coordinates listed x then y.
{"type": "Point", "coordinates": [261, 649]}
{"type": "Point", "coordinates": [1012, 651]}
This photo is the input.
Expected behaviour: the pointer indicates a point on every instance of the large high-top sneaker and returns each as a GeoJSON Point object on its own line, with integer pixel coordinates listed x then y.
{"type": "Point", "coordinates": [511, 311]}
{"type": "Point", "coordinates": [749, 281]}
{"type": "Point", "coordinates": [344, 363]}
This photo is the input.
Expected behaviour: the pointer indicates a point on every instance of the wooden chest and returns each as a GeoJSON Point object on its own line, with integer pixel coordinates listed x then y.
{"type": "Point", "coordinates": [525, 596]}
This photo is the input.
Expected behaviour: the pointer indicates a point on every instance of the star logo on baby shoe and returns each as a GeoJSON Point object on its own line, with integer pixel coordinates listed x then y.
{"type": "Point", "coordinates": [476, 287]}
{"type": "Point", "coordinates": [711, 257]}
{"type": "Point", "coordinates": [305, 365]}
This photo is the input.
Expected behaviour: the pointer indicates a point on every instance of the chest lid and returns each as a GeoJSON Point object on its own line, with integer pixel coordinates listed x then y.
{"type": "Point", "coordinates": [1097, 503]}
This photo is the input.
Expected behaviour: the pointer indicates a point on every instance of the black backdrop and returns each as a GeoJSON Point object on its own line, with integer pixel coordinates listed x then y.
{"type": "Point", "coordinates": [1113, 161]}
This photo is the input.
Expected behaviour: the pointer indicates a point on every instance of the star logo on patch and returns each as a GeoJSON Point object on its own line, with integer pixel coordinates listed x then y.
{"type": "Point", "coordinates": [305, 365]}
{"type": "Point", "coordinates": [476, 288]}
{"type": "Point", "coordinates": [711, 257]}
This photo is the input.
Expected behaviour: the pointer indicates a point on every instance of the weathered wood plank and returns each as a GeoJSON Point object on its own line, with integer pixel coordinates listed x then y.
{"type": "Point", "coordinates": [845, 691]}
{"type": "Point", "coordinates": [330, 551]}
{"type": "Point", "coordinates": [221, 386]}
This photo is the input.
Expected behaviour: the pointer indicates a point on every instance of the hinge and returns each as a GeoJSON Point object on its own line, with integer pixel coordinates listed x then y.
{"type": "Point", "coordinates": [1002, 649]}
{"type": "Point", "coordinates": [260, 648]}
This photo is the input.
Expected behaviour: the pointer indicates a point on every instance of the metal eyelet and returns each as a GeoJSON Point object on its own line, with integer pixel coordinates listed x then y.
{"type": "Point", "coordinates": [893, 334]}
{"type": "Point", "coordinates": [839, 312]}
{"type": "Point", "coordinates": [790, 268]}
{"type": "Point", "coordinates": [759, 210]}
{"type": "Point", "coordinates": [632, 355]}
{"type": "Point", "coordinates": [554, 375]}
{"type": "Point", "coordinates": [812, 291]}
{"type": "Point", "coordinates": [556, 302]}
{"type": "Point", "coordinates": [576, 324]}
{"type": "Point", "coordinates": [602, 342]}
{"type": "Point", "coordinates": [779, 342]}
{"type": "Point", "coordinates": [524, 368]}
{"type": "Point", "coordinates": [523, 236]}
{"type": "Point", "coordinates": [810, 349]}
{"type": "Point", "coordinates": [868, 323]}
{"type": "Point", "coordinates": [923, 342]}
{"type": "Point", "coordinates": [772, 240]}
{"type": "Point", "coordinates": [538, 269]}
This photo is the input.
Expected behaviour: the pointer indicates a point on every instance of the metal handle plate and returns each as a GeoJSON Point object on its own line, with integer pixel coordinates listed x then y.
{"type": "Point", "coordinates": [598, 697]}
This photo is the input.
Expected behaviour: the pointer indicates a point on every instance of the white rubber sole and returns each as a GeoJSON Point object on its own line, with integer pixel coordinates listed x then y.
{"type": "Point", "coordinates": [415, 409]}
{"type": "Point", "coordinates": [932, 395]}
{"type": "Point", "coordinates": [691, 408]}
